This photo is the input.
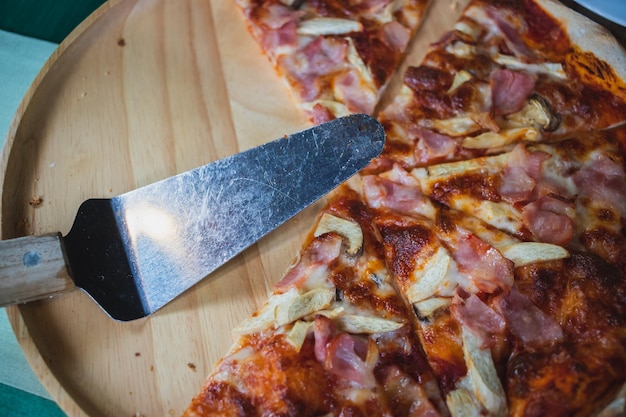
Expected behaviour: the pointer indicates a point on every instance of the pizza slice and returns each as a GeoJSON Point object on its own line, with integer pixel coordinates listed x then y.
{"type": "Point", "coordinates": [509, 72]}
{"type": "Point", "coordinates": [334, 339]}
{"type": "Point", "coordinates": [570, 194]}
{"type": "Point", "coordinates": [336, 56]}
{"type": "Point", "coordinates": [506, 324]}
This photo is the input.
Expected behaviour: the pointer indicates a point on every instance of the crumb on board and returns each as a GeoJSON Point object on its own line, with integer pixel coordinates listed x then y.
{"type": "Point", "coordinates": [137, 354]}
{"type": "Point", "coordinates": [121, 42]}
{"type": "Point", "coordinates": [35, 201]}
{"type": "Point", "coordinates": [191, 366]}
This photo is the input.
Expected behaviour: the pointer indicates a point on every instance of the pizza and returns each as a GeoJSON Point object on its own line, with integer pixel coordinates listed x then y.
{"type": "Point", "coordinates": [477, 267]}
{"type": "Point", "coordinates": [335, 56]}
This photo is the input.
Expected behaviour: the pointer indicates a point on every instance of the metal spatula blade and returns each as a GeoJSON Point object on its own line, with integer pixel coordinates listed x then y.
{"type": "Point", "coordinates": [136, 252]}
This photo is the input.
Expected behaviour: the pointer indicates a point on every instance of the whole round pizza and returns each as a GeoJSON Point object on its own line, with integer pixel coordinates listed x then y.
{"type": "Point", "coordinates": [478, 265]}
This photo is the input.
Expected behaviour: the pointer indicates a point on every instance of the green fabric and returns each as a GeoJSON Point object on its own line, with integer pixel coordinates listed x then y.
{"type": "Point", "coordinates": [45, 19]}
{"type": "Point", "coordinates": [17, 403]}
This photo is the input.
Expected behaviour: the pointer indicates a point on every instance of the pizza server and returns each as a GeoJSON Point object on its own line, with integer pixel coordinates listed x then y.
{"type": "Point", "coordinates": [136, 252]}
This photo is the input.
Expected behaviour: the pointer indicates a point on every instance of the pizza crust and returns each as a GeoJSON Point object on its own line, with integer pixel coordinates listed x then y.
{"type": "Point", "coordinates": [589, 36]}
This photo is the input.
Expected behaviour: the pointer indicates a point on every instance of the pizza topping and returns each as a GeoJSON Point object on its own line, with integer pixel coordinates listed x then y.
{"type": "Point", "coordinates": [328, 26]}
{"type": "Point", "coordinates": [397, 191]}
{"type": "Point", "coordinates": [461, 402]}
{"type": "Point", "coordinates": [602, 180]}
{"type": "Point", "coordinates": [495, 140]}
{"type": "Point", "coordinates": [524, 253]}
{"type": "Point", "coordinates": [486, 267]}
{"type": "Point", "coordinates": [319, 57]}
{"type": "Point", "coordinates": [536, 113]}
{"type": "Point", "coordinates": [527, 322]}
{"type": "Point", "coordinates": [278, 24]}
{"type": "Point", "coordinates": [312, 266]}
{"type": "Point", "coordinates": [546, 68]}
{"type": "Point", "coordinates": [433, 146]}
{"type": "Point", "coordinates": [521, 173]}
{"type": "Point", "coordinates": [349, 230]}
{"type": "Point", "coordinates": [298, 333]}
{"type": "Point", "coordinates": [303, 305]}
{"type": "Point", "coordinates": [435, 275]}
{"type": "Point", "coordinates": [360, 324]}
{"type": "Point", "coordinates": [426, 308]}
{"type": "Point", "coordinates": [482, 377]}
{"type": "Point", "coordinates": [510, 90]}
{"type": "Point", "coordinates": [350, 358]}
{"type": "Point", "coordinates": [549, 219]}
{"type": "Point", "coordinates": [407, 395]}
{"type": "Point", "coordinates": [459, 78]}
{"type": "Point", "coordinates": [454, 127]}
{"type": "Point", "coordinates": [349, 88]}
{"type": "Point", "coordinates": [264, 318]}
{"type": "Point", "coordinates": [475, 316]}
{"type": "Point", "coordinates": [395, 35]}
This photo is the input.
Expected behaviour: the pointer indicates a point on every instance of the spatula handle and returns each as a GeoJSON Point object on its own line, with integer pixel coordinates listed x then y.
{"type": "Point", "coordinates": [32, 267]}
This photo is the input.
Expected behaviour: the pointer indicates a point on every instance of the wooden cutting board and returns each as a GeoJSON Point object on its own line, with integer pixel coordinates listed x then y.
{"type": "Point", "coordinates": [140, 91]}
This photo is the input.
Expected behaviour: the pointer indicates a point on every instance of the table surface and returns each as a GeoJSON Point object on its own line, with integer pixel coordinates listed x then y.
{"type": "Point", "coordinates": [25, 45]}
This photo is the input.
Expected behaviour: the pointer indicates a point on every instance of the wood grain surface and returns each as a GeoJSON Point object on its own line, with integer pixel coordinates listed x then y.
{"type": "Point", "coordinates": [142, 90]}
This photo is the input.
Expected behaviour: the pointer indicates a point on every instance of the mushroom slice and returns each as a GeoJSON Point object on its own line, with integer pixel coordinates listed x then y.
{"type": "Point", "coordinates": [482, 375]}
{"type": "Point", "coordinates": [298, 333]}
{"type": "Point", "coordinates": [496, 139]}
{"type": "Point", "coordinates": [524, 253]}
{"type": "Point", "coordinates": [461, 403]}
{"type": "Point", "coordinates": [459, 78]}
{"type": "Point", "coordinates": [553, 69]}
{"type": "Point", "coordinates": [357, 324]}
{"type": "Point", "coordinates": [264, 318]}
{"type": "Point", "coordinates": [349, 230]}
{"type": "Point", "coordinates": [437, 273]}
{"type": "Point", "coordinates": [426, 308]}
{"type": "Point", "coordinates": [303, 304]}
{"type": "Point", "coordinates": [328, 26]}
{"type": "Point", "coordinates": [453, 127]}
{"type": "Point", "coordinates": [537, 113]}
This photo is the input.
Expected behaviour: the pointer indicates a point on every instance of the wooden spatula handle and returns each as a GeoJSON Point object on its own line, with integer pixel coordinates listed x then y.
{"type": "Point", "coordinates": [32, 267]}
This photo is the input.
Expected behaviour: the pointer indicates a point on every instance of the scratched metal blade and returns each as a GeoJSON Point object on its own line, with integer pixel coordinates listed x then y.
{"type": "Point", "coordinates": [177, 231]}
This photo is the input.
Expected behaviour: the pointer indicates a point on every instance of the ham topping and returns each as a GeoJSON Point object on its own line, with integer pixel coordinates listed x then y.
{"type": "Point", "coordinates": [319, 57]}
{"type": "Point", "coordinates": [511, 35]}
{"type": "Point", "coordinates": [526, 321]}
{"type": "Point", "coordinates": [350, 358]}
{"type": "Point", "coordinates": [510, 90]}
{"type": "Point", "coordinates": [603, 180]}
{"type": "Point", "coordinates": [357, 97]}
{"type": "Point", "coordinates": [280, 23]}
{"type": "Point", "coordinates": [485, 266]}
{"type": "Point", "coordinates": [398, 191]}
{"type": "Point", "coordinates": [432, 146]}
{"type": "Point", "coordinates": [313, 262]}
{"type": "Point", "coordinates": [521, 173]}
{"type": "Point", "coordinates": [548, 220]}
{"type": "Point", "coordinates": [474, 315]}
{"type": "Point", "coordinates": [320, 114]}
{"type": "Point", "coordinates": [395, 35]}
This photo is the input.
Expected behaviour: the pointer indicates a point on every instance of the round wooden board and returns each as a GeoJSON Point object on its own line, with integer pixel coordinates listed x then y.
{"type": "Point", "coordinates": [140, 91]}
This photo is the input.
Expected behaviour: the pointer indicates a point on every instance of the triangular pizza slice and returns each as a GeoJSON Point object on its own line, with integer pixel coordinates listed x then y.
{"type": "Point", "coordinates": [336, 56]}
